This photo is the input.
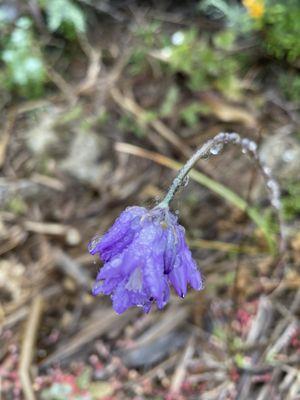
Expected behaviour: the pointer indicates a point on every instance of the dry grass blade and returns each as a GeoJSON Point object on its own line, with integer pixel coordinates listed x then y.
{"type": "Point", "coordinates": [172, 318]}
{"type": "Point", "coordinates": [100, 323]}
{"type": "Point", "coordinates": [223, 246]}
{"type": "Point", "coordinates": [28, 347]}
{"type": "Point", "coordinates": [261, 322]}
{"type": "Point", "coordinates": [130, 105]}
{"type": "Point", "coordinates": [283, 340]}
{"type": "Point", "coordinates": [4, 140]}
{"type": "Point", "coordinates": [72, 268]}
{"type": "Point", "coordinates": [180, 371]}
{"type": "Point", "coordinates": [71, 234]}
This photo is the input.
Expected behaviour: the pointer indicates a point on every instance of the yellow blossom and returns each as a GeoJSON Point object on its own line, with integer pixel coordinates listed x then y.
{"type": "Point", "coordinates": [255, 8]}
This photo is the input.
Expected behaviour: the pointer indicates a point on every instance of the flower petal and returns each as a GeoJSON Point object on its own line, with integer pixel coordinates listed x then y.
{"type": "Point", "coordinates": [143, 252]}
{"type": "Point", "coordinates": [178, 278]}
{"type": "Point", "coordinates": [120, 235]}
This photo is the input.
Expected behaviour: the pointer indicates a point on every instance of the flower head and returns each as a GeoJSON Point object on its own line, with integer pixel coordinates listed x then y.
{"type": "Point", "coordinates": [255, 8]}
{"type": "Point", "coordinates": [143, 253]}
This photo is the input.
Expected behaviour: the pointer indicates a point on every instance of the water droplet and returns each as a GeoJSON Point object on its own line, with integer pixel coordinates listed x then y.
{"type": "Point", "coordinates": [233, 137]}
{"type": "Point", "coordinates": [185, 181]}
{"type": "Point", "coordinates": [276, 203]}
{"type": "Point", "coordinates": [93, 244]}
{"type": "Point", "coordinates": [288, 155]}
{"type": "Point", "coordinates": [272, 185]}
{"type": "Point", "coordinates": [177, 38]}
{"type": "Point", "coordinates": [221, 136]}
{"type": "Point", "coordinates": [252, 146]}
{"type": "Point", "coordinates": [215, 150]}
{"type": "Point", "coordinates": [97, 288]}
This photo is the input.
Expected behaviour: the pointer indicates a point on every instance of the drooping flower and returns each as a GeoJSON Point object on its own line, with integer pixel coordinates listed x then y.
{"type": "Point", "coordinates": [144, 252]}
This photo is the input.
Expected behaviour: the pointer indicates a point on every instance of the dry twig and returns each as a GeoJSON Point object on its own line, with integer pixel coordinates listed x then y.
{"type": "Point", "coordinates": [27, 350]}
{"type": "Point", "coordinates": [180, 371]}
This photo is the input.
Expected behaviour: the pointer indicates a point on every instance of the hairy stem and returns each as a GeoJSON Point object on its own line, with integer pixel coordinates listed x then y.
{"type": "Point", "coordinates": [212, 148]}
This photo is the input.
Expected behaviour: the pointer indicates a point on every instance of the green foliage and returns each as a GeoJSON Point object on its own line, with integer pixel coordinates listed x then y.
{"type": "Point", "coordinates": [233, 13]}
{"type": "Point", "coordinates": [279, 25]}
{"type": "Point", "coordinates": [224, 40]}
{"type": "Point", "coordinates": [289, 82]}
{"type": "Point", "coordinates": [146, 36]}
{"type": "Point", "coordinates": [291, 201]}
{"type": "Point", "coordinates": [17, 206]}
{"type": "Point", "coordinates": [147, 33]}
{"type": "Point", "coordinates": [65, 16]}
{"type": "Point", "coordinates": [128, 124]}
{"type": "Point", "coordinates": [281, 29]}
{"type": "Point", "coordinates": [169, 102]}
{"type": "Point", "coordinates": [190, 114]}
{"type": "Point", "coordinates": [138, 61]}
{"type": "Point", "coordinates": [204, 64]}
{"type": "Point", "coordinates": [24, 67]}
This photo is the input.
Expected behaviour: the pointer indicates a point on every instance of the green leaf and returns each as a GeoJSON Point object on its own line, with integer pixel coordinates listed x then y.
{"type": "Point", "coordinates": [25, 70]}
{"type": "Point", "coordinates": [64, 13]}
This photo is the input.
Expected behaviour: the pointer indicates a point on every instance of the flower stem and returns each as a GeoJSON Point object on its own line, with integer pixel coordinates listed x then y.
{"type": "Point", "coordinates": [249, 147]}
{"type": "Point", "coordinates": [212, 147]}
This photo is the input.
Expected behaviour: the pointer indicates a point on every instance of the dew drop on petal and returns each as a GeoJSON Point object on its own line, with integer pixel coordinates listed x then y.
{"type": "Point", "coordinates": [93, 243]}
{"type": "Point", "coordinates": [97, 288]}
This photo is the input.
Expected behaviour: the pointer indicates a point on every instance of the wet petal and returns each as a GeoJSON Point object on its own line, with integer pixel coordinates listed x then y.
{"type": "Point", "coordinates": [121, 299]}
{"type": "Point", "coordinates": [105, 286]}
{"type": "Point", "coordinates": [193, 274]}
{"type": "Point", "coordinates": [144, 252]}
{"type": "Point", "coordinates": [178, 278]}
{"type": "Point", "coordinates": [170, 249]}
{"type": "Point", "coordinates": [120, 235]}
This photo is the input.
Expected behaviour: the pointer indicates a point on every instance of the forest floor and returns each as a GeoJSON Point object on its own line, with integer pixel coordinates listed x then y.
{"type": "Point", "coordinates": [68, 173]}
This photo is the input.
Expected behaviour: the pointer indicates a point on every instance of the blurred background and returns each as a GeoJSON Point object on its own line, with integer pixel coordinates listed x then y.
{"type": "Point", "coordinates": [79, 78]}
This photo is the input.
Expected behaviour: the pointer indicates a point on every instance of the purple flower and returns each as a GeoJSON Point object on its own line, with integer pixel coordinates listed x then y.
{"type": "Point", "coordinates": [143, 253]}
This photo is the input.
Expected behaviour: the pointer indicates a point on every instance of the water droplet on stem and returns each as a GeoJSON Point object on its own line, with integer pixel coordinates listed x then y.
{"type": "Point", "coordinates": [215, 150]}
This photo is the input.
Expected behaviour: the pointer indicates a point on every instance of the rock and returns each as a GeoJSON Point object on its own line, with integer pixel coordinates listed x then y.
{"type": "Point", "coordinates": [43, 135]}
{"type": "Point", "coordinates": [151, 353]}
{"type": "Point", "coordinates": [281, 153]}
{"type": "Point", "coordinates": [83, 159]}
